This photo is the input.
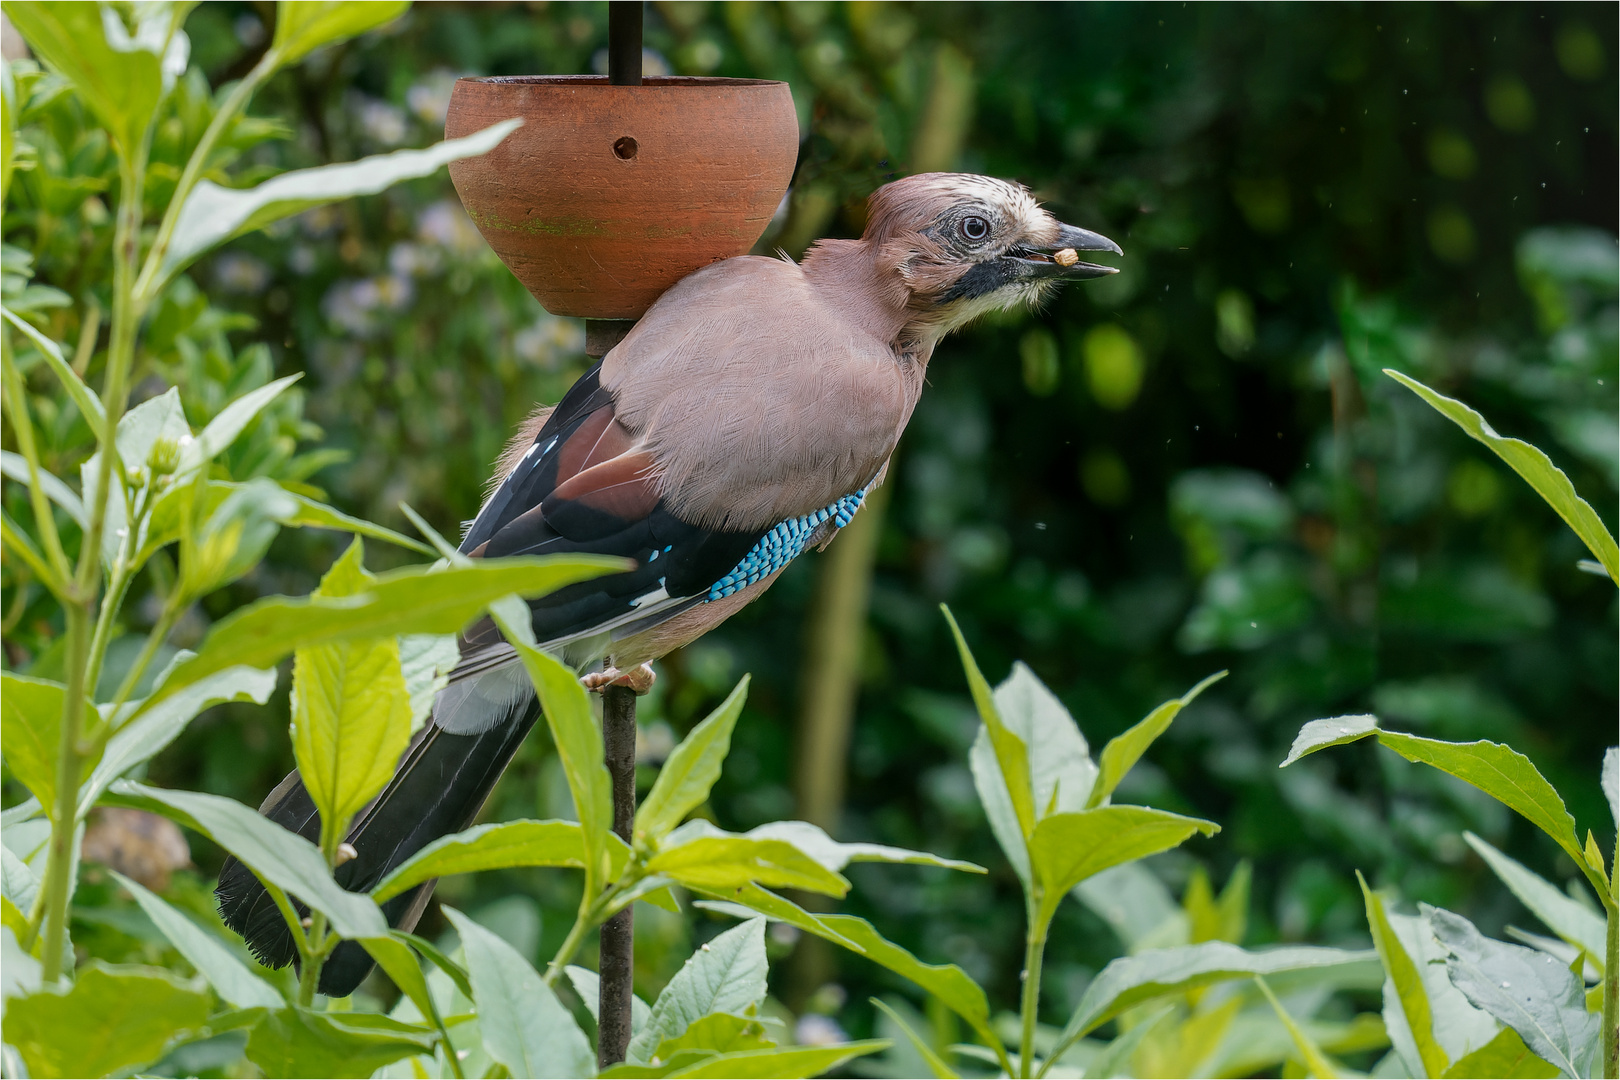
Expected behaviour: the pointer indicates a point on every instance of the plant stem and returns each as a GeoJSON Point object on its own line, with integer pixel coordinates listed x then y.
{"type": "Point", "coordinates": [617, 962]}
{"type": "Point", "coordinates": [310, 977]}
{"type": "Point", "coordinates": [588, 917]}
{"type": "Point", "coordinates": [1034, 952]}
{"type": "Point", "coordinates": [1611, 975]}
{"type": "Point", "coordinates": [64, 819]}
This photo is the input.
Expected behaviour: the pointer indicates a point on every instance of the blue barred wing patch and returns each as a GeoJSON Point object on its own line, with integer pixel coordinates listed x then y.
{"type": "Point", "coordinates": [783, 544]}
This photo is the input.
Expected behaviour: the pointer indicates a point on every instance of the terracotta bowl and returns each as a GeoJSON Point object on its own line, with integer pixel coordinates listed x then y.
{"type": "Point", "coordinates": [608, 195]}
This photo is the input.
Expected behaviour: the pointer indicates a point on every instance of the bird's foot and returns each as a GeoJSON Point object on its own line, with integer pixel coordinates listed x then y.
{"type": "Point", "coordinates": [639, 678]}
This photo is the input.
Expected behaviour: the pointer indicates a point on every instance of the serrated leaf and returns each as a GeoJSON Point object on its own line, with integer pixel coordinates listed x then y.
{"type": "Point", "coordinates": [1068, 848]}
{"type": "Point", "coordinates": [277, 855]}
{"type": "Point", "coordinates": [1537, 469]}
{"type": "Point", "coordinates": [524, 1026]}
{"type": "Point", "coordinates": [1526, 989]}
{"type": "Point", "coordinates": [725, 975]}
{"type": "Point", "coordinates": [213, 214]}
{"type": "Point", "coordinates": [415, 600]}
{"type": "Point", "coordinates": [690, 771]}
{"type": "Point", "coordinates": [140, 741]}
{"type": "Point", "coordinates": [1125, 750]}
{"type": "Point", "coordinates": [1570, 920]}
{"type": "Point", "coordinates": [303, 26]}
{"type": "Point", "coordinates": [232, 979]}
{"type": "Point", "coordinates": [298, 1042]}
{"type": "Point", "coordinates": [111, 1019]}
{"type": "Point", "coordinates": [1333, 731]}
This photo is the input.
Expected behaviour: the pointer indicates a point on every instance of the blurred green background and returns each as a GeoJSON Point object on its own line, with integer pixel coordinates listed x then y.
{"type": "Point", "coordinates": [1191, 466]}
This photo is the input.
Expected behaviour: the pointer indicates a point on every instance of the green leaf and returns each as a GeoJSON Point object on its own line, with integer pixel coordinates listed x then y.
{"type": "Point", "coordinates": [578, 739]}
{"type": "Point", "coordinates": [1061, 772]}
{"type": "Point", "coordinates": [936, 1064]}
{"type": "Point", "coordinates": [83, 397]}
{"type": "Point", "coordinates": [305, 25]}
{"type": "Point", "coordinates": [1132, 980]}
{"type": "Point", "coordinates": [1333, 731]}
{"type": "Point", "coordinates": [1125, 750]}
{"type": "Point", "coordinates": [718, 1033]}
{"type": "Point", "coordinates": [1569, 919]}
{"type": "Point", "coordinates": [426, 661]}
{"type": "Point", "coordinates": [15, 467]}
{"type": "Point", "coordinates": [1503, 1058]}
{"type": "Point", "coordinates": [1611, 781]}
{"type": "Point", "coordinates": [588, 985]}
{"type": "Point", "coordinates": [235, 536]}
{"type": "Point", "coordinates": [725, 975]}
{"type": "Point", "coordinates": [311, 513]}
{"type": "Point", "coordinates": [275, 854]}
{"type": "Point", "coordinates": [1068, 848]}
{"type": "Point", "coordinates": [113, 1018]}
{"type": "Point", "coordinates": [524, 1026]}
{"type": "Point", "coordinates": [18, 883]}
{"type": "Point", "coordinates": [1012, 756]}
{"type": "Point", "coordinates": [397, 960]}
{"type": "Point", "coordinates": [142, 740]}
{"type": "Point", "coordinates": [834, 856]}
{"type": "Point", "coordinates": [790, 1062]}
{"type": "Point", "coordinates": [1536, 468]}
{"type": "Point", "coordinates": [687, 775]}
{"type": "Point", "coordinates": [415, 600]}
{"type": "Point", "coordinates": [949, 983]}
{"type": "Point", "coordinates": [351, 711]}
{"type": "Point", "coordinates": [231, 421]}
{"type": "Point", "coordinates": [31, 732]}
{"type": "Point", "coordinates": [1526, 989]}
{"type": "Point", "coordinates": [721, 862]}
{"type": "Point", "coordinates": [1316, 1062]}
{"type": "Point", "coordinates": [456, 973]}
{"type": "Point", "coordinates": [1500, 772]}
{"type": "Point", "coordinates": [492, 847]}
{"type": "Point", "coordinates": [213, 214]}
{"type": "Point", "coordinates": [1407, 981]}
{"type": "Point", "coordinates": [120, 76]}
{"type": "Point", "coordinates": [233, 980]}
{"type": "Point", "coordinates": [157, 419]}
{"type": "Point", "coordinates": [298, 1042]}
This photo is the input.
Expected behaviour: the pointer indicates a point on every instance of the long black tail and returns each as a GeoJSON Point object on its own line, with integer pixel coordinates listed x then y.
{"type": "Point", "coordinates": [439, 787]}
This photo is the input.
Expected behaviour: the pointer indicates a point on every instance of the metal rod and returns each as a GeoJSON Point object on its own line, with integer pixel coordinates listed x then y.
{"type": "Point", "coordinates": [617, 966]}
{"type": "Point", "coordinates": [624, 42]}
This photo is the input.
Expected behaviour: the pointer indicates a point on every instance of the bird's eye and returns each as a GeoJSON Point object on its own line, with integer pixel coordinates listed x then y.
{"type": "Point", "coordinates": [975, 228]}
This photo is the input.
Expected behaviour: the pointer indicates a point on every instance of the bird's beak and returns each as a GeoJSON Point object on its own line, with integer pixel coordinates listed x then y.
{"type": "Point", "coordinates": [1058, 259]}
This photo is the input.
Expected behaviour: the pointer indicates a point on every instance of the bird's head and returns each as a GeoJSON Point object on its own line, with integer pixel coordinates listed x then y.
{"type": "Point", "coordinates": [962, 245]}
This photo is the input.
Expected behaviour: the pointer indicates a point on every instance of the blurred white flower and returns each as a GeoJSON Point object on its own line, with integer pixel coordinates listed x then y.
{"type": "Point", "coordinates": [239, 273]}
{"type": "Point", "coordinates": [549, 342]}
{"type": "Point", "coordinates": [381, 122]}
{"type": "Point", "coordinates": [413, 260]}
{"type": "Point", "coordinates": [446, 224]}
{"type": "Point", "coordinates": [360, 307]}
{"type": "Point", "coordinates": [302, 259]}
{"type": "Point", "coordinates": [813, 1029]}
{"type": "Point", "coordinates": [430, 98]}
{"type": "Point", "coordinates": [320, 220]}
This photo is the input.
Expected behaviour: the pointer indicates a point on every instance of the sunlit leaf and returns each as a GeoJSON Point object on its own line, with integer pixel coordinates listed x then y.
{"type": "Point", "coordinates": [1503, 1058]}
{"type": "Point", "coordinates": [1333, 731]}
{"type": "Point", "coordinates": [213, 214]}
{"type": "Point", "coordinates": [1526, 989]}
{"type": "Point", "coordinates": [230, 977]}
{"type": "Point", "coordinates": [814, 842]}
{"type": "Point", "coordinates": [1061, 772]}
{"type": "Point", "coordinates": [111, 1019]}
{"type": "Point", "coordinates": [1536, 468]}
{"type": "Point", "coordinates": [1125, 750]}
{"type": "Point", "coordinates": [493, 847]}
{"type": "Point", "coordinates": [524, 1026]}
{"type": "Point", "coordinates": [781, 1064]}
{"type": "Point", "coordinates": [305, 25]}
{"type": "Point", "coordinates": [283, 858]}
{"type": "Point", "coordinates": [31, 733]}
{"type": "Point", "coordinates": [1410, 993]}
{"type": "Point", "coordinates": [399, 963]}
{"type": "Point", "coordinates": [415, 600]}
{"type": "Point", "coordinates": [1012, 754]}
{"type": "Point", "coordinates": [725, 975]}
{"type": "Point", "coordinates": [727, 862]}
{"type": "Point", "coordinates": [690, 771]}
{"type": "Point", "coordinates": [1068, 848]}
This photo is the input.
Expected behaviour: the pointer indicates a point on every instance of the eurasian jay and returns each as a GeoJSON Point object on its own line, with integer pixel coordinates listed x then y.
{"type": "Point", "coordinates": [742, 420]}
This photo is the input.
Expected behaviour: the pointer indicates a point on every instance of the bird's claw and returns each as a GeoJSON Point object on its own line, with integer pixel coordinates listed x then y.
{"type": "Point", "coordinates": [639, 678]}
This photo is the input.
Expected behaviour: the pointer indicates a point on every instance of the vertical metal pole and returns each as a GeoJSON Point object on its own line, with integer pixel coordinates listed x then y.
{"type": "Point", "coordinates": [617, 966]}
{"type": "Point", "coordinates": [618, 961]}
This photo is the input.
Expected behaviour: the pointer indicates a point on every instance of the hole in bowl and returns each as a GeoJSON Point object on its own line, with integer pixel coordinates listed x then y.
{"type": "Point", "coordinates": [625, 149]}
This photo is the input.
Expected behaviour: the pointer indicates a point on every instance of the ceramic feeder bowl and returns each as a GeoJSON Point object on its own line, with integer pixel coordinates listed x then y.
{"type": "Point", "coordinates": [608, 195]}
